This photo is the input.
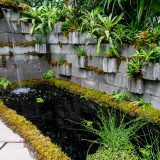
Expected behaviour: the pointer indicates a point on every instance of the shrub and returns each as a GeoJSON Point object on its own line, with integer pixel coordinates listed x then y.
{"type": "Point", "coordinates": [104, 154]}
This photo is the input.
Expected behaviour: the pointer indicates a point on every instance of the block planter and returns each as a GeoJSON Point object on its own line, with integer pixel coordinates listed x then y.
{"type": "Point", "coordinates": [136, 85]}
{"type": "Point", "coordinates": [57, 27]}
{"type": "Point", "coordinates": [82, 62]}
{"type": "Point", "coordinates": [151, 71]}
{"type": "Point", "coordinates": [81, 38]}
{"type": "Point", "coordinates": [110, 65]}
{"type": "Point", "coordinates": [25, 27]}
{"type": "Point", "coordinates": [40, 48]}
{"type": "Point", "coordinates": [65, 69]}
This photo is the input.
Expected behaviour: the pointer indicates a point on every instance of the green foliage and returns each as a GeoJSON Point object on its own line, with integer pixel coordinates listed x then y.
{"type": "Point", "coordinates": [141, 102]}
{"type": "Point", "coordinates": [42, 18]}
{"type": "Point", "coordinates": [109, 154]}
{"type": "Point", "coordinates": [113, 133]}
{"type": "Point", "coordinates": [80, 52]}
{"type": "Point", "coordinates": [121, 96]}
{"type": "Point", "coordinates": [49, 74]}
{"type": "Point", "coordinates": [4, 83]}
{"type": "Point", "coordinates": [134, 67]}
{"type": "Point", "coordinates": [39, 40]}
{"type": "Point", "coordinates": [61, 59]}
{"type": "Point", "coordinates": [39, 100]}
{"type": "Point", "coordinates": [108, 31]}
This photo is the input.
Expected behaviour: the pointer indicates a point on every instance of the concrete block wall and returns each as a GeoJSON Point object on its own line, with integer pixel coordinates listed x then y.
{"type": "Point", "coordinates": [31, 59]}
{"type": "Point", "coordinates": [114, 76]}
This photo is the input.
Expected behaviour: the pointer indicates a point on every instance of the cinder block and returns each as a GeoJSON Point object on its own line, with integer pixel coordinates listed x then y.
{"type": "Point", "coordinates": [22, 50]}
{"type": "Point", "coordinates": [108, 88]}
{"type": "Point", "coordinates": [89, 84]}
{"type": "Point", "coordinates": [41, 48]}
{"type": "Point", "coordinates": [4, 37]}
{"type": "Point", "coordinates": [147, 71]}
{"type": "Point", "coordinates": [81, 62]}
{"type": "Point", "coordinates": [77, 72]}
{"type": "Point", "coordinates": [5, 50]}
{"type": "Point", "coordinates": [71, 59]}
{"type": "Point", "coordinates": [95, 61]}
{"type": "Point", "coordinates": [53, 38]}
{"type": "Point", "coordinates": [136, 85]}
{"type": "Point", "coordinates": [128, 50]}
{"type": "Point", "coordinates": [152, 88]}
{"type": "Point", "coordinates": [62, 39]}
{"type": "Point", "coordinates": [76, 80]}
{"type": "Point", "coordinates": [118, 79]}
{"type": "Point", "coordinates": [57, 27]}
{"type": "Point", "coordinates": [81, 38]}
{"type": "Point", "coordinates": [122, 67]}
{"type": "Point", "coordinates": [110, 65]}
{"type": "Point", "coordinates": [94, 76]}
{"type": "Point", "coordinates": [65, 70]}
{"type": "Point", "coordinates": [25, 27]}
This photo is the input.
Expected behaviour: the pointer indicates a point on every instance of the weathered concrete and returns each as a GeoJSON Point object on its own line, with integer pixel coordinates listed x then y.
{"type": "Point", "coordinates": [12, 146]}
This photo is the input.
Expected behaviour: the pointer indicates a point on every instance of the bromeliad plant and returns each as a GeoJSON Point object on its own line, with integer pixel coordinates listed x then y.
{"type": "Point", "coordinates": [108, 31]}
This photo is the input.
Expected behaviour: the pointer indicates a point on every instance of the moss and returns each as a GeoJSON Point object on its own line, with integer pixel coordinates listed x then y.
{"type": "Point", "coordinates": [55, 63]}
{"type": "Point", "coordinates": [95, 69]}
{"type": "Point", "coordinates": [44, 148]}
{"type": "Point", "coordinates": [4, 61]}
{"type": "Point", "coordinates": [14, 4]}
{"type": "Point", "coordinates": [10, 44]}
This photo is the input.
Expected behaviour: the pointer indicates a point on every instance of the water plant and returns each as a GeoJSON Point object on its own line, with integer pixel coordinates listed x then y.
{"type": "Point", "coordinates": [121, 96]}
{"type": "Point", "coordinates": [113, 132]}
{"type": "Point", "coordinates": [49, 74]}
{"type": "Point", "coordinates": [4, 83]}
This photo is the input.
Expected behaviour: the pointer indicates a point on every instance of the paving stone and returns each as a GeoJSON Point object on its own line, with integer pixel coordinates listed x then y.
{"type": "Point", "coordinates": [5, 50]}
{"type": "Point", "coordinates": [77, 72]}
{"type": "Point", "coordinates": [122, 67]}
{"type": "Point", "coordinates": [53, 38]}
{"type": "Point", "coordinates": [15, 151]}
{"type": "Point", "coordinates": [7, 135]}
{"type": "Point", "coordinates": [71, 59]}
{"type": "Point", "coordinates": [22, 50]}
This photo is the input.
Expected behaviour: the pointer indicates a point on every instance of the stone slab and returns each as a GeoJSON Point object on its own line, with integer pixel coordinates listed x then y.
{"type": "Point", "coordinates": [15, 151]}
{"type": "Point", "coordinates": [7, 135]}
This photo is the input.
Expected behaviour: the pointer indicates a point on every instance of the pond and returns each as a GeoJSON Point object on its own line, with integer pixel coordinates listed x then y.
{"type": "Point", "coordinates": [59, 114]}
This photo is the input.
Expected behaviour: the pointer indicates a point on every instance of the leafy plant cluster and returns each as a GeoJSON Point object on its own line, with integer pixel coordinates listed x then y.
{"type": "Point", "coordinates": [115, 135]}
{"type": "Point", "coordinates": [4, 83]}
{"type": "Point", "coordinates": [141, 56]}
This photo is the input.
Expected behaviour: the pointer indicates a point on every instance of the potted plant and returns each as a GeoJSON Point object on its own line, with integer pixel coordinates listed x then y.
{"type": "Point", "coordinates": [110, 64]}
{"type": "Point", "coordinates": [82, 58]}
{"type": "Point", "coordinates": [40, 46]}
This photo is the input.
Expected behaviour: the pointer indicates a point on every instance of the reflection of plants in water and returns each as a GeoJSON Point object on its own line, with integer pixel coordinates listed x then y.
{"type": "Point", "coordinates": [4, 83]}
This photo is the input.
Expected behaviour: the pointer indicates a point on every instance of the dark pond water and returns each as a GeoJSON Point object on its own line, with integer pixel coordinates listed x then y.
{"type": "Point", "coordinates": [60, 117]}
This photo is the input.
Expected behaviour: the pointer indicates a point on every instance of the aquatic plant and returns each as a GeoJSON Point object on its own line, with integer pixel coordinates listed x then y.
{"type": "Point", "coordinates": [112, 130]}
{"type": "Point", "coordinates": [39, 100]}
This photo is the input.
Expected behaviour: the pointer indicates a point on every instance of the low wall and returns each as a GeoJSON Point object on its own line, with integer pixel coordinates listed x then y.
{"type": "Point", "coordinates": [92, 71]}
